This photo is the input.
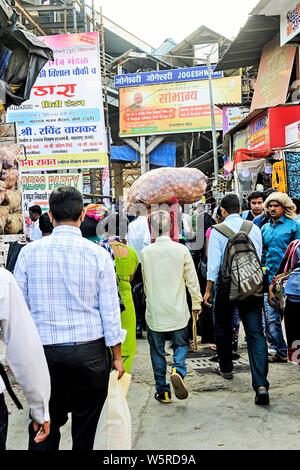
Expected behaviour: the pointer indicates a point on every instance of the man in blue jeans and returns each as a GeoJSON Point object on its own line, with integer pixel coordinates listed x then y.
{"type": "Point", "coordinates": [168, 269]}
{"type": "Point", "coordinates": [277, 234]}
{"type": "Point", "coordinates": [250, 310]}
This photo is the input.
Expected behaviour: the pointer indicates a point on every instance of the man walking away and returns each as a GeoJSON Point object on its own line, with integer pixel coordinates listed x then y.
{"type": "Point", "coordinates": [70, 287]}
{"type": "Point", "coordinates": [168, 269]}
{"type": "Point", "coordinates": [250, 309]}
{"type": "Point", "coordinates": [25, 356]}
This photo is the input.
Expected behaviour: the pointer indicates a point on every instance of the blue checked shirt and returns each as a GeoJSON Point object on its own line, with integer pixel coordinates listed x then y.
{"type": "Point", "coordinates": [69, 284]}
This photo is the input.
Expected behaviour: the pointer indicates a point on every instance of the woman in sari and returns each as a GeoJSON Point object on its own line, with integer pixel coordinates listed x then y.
{"type": "Point", "coordinates": [126, 261]}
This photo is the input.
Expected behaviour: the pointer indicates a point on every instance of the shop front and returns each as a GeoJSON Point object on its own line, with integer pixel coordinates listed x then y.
{"type": "Point", "coordinates": [257, 146]}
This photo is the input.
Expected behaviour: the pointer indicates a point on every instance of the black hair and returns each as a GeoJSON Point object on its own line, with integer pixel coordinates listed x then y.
{"type": "Point", "coordinates": [255, 195]}
{"type": "Point", "coordinates": [45, 223]}
{"type": "Point", "coordinates": [219, 213]}
{"type": "Point", "coordinates": [231, 204]}
{"type": "Point", "coordinates": [88, 227]}
{"type": "Point", "coordinates": [66, 203]}
{"type": "Point", "coordinates": [35, 209]}
{"type": "Point", "coordinates": [296, 201]}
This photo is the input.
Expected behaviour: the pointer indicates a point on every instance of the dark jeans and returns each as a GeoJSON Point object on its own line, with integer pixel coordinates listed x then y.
{"type": "Point", "coordinates": [138, 299]}
{"type": "Point", "coordinates": [180, 346]}
{"type": "Point", "coordinates": [250, 313]}
{"type": "Point", "coordinates": [292, 323]}
{"type": "Point", "coordinates": [3, 422]}
{"type": "Point", "coordinates": [79, 382]}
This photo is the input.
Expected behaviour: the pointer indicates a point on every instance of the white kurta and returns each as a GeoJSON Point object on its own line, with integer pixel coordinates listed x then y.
{"type": "Point", "coordinates": [168, 269]}
{"type": "Point", "coordinates": [24, 350]}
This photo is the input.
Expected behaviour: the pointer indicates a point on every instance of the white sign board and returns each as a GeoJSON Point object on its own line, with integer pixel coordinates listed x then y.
{"type": "Point", "coordinates": [36, 188]}
{"type": "Point", "coordinates": [289, 21]}
{"type": "Point", "coordinates": [292, 133]}
{"type": "Point", "coordinates": [62, 124]}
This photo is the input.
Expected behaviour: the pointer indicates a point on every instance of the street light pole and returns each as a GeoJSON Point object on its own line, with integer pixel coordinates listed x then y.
{"type": "Point", "coordinates": [213, 121]}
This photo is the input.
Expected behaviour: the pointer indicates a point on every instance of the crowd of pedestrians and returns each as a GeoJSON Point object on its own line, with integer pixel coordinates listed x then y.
{"type": "Point", "coordinates": [91, 293]}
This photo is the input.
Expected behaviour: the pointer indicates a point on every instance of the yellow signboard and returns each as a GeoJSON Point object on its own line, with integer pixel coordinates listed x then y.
{"type": "Point", "coordinates": [174, 107]}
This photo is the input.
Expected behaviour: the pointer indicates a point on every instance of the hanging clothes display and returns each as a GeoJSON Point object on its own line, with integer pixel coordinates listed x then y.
{"type": "Point", "coordinates": [292, 160]}
{"type": "Point", "coordinates": [279, 177]}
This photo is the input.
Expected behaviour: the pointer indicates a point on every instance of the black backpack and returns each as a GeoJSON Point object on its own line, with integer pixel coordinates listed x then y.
{"type": "Point", "coordinates": [241, 271]}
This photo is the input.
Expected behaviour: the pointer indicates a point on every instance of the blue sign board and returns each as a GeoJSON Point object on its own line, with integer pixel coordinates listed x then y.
{"type": "Point", "coordinates": [165, 76]}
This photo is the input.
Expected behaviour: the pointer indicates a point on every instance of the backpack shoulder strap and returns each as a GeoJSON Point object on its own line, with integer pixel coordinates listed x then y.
{"type": "Point", "coordinates": [246, 227]}
{"type": "Point", "coordinates": [224, 230]}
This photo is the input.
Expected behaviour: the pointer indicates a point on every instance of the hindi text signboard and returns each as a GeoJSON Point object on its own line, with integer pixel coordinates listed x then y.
{"type": "Point", "coordinates": [174, 107]}
{"type": "Point", "coordinates": [62, 124]}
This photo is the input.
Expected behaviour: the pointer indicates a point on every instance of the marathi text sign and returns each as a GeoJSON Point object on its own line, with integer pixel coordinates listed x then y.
{"type": "Point", "coordinates": [165, 76]}
{"type": "Point", "coordinates": [232, 116]}
{"type": "Point", "coordinates": [62, 125]}
{"type": "Point", "coordinates": [36, 188]}
{"type": "Point", "coordinates": [174, 107]}
{"type": "Point", "coordinates": [259, 133]}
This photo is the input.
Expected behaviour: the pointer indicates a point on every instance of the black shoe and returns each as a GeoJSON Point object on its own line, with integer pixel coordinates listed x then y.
{"type": "Point", "coordinates": [225, 375]}
{"type": "Point", "coordinates": [164, 397]}
{"type": "Point", "coordinates": [139, 333]}
{"type": "Point", "coordinates": [262, 396]}
{"type": "Point", "coordinates": [235, 356]}
{"type": "Point", "coordinates": [214, 358]}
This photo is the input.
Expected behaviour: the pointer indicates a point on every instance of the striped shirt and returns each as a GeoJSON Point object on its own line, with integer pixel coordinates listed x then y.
{"type": "Point", "coordinates": [69, 285]}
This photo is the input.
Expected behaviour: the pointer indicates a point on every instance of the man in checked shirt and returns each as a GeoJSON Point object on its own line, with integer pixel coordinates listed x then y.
{"type": "Point", "coordinates": [70, 288]}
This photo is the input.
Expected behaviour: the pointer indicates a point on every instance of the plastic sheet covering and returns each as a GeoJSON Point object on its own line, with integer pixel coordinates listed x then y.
{"type": "Point", "coordinates": [28, 56]}
{"type": "Point", "coordinates": [163, 155]}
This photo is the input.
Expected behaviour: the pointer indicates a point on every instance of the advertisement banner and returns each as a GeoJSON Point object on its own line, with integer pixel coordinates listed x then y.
{"type": "Point", "coordinates": [232, 116]}
{"type": "Point", "coordinates": [289, 21]}
{"type": "Point", "coordinates": [174, 107]}
{"type": "Point", "coordinates": [259, 133]}
{"type": "Point", "coordinates": [36, 188]}
{"type": "Point", "coordinates": [62, 124]}
{"type": "Point", "coordinates": [165, 76]}
{"type": "Point", "coordinates": [274, 75]}
{"type": "Point", "coordinates": [241, 139]}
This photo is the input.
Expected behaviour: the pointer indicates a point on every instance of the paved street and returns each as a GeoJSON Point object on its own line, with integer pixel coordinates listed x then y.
{"type": "Point", "coordinates": [218, 414]}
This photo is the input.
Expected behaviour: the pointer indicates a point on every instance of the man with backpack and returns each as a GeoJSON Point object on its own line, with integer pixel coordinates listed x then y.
{"type": "Point", "coordinates": [234, 253]}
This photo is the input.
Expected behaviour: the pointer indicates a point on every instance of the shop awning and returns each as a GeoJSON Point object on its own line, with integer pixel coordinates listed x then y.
{"type": "Point", "coordinates": [243, 155]}
{"type": "Point", "coordinates": [246, 49]}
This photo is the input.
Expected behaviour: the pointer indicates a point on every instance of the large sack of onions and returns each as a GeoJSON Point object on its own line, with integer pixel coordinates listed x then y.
{"type": "Point", "coordinates": [10, 178]}
{"type": "Point", "coordinates": [8, 154]}
{"type": "Point", "coordinates": [14, 223]}
{"type": "Point", "coordinates": [4, 212]}
{"type": "Point", "coordinates": [161, 185]}
{"type": "Point", "coordinates": [2, 193]}
{"type": "Point", "coordinates": [13, 200]}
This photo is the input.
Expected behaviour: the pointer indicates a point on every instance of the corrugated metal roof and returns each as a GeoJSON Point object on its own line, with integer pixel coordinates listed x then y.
{"type": "Point", "coordinates": [246, 49]}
